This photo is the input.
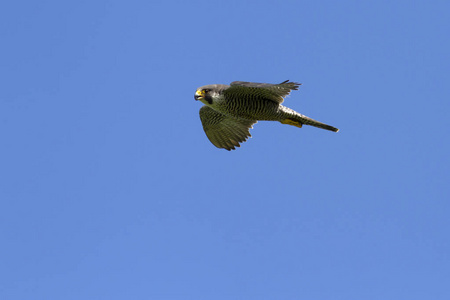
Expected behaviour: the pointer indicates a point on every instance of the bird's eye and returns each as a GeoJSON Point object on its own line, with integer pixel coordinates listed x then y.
{"type": "Point", "coordinates": [205, 91]}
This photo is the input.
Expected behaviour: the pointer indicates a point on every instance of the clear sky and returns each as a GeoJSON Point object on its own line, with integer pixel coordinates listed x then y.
{"type": "Point", "coordinates": [109, 188]}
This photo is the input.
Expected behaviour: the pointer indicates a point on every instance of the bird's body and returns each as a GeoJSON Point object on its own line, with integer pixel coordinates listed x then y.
{"type": "Point", "coordinates": [231, 110]}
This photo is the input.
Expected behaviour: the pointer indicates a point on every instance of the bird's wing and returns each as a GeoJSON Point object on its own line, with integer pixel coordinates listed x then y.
{"type": "Point", "coordinates": [274, 92]}
{"type": "Point", "coordinates": [224, 131]}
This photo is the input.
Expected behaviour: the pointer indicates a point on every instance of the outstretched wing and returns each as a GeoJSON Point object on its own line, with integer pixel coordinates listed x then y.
{"type": "Point", "coordinates": [274, 92]}
{"type": "Point", "coordinates": [224, 131]}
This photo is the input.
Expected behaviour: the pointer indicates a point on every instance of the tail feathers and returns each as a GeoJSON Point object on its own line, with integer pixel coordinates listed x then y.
{"type": "Point", "coordinates": [304, 120]}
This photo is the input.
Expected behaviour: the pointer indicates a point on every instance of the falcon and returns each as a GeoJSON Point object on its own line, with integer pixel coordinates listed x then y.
{"type": "Point", "coordinates": [230, 111]}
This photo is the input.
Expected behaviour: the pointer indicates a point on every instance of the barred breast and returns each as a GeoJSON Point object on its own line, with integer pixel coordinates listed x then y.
{"type": "Point", "coordinates": [247, 107]}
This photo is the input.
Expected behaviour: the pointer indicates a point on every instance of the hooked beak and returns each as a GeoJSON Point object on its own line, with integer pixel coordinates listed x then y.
{"type": "Point", "coordinates": [198, 95]}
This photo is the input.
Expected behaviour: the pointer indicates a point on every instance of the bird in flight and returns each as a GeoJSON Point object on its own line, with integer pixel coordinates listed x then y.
{"type": "Point", "coordinates": [231, 110]}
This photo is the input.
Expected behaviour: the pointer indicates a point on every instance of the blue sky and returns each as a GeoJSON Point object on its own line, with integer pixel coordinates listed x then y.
{"type": "Point", "coordinates": [110, 189]}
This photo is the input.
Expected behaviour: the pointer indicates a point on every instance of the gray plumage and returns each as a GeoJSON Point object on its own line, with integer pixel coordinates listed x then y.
{"type": "Point", "coordinates": [231, 110]}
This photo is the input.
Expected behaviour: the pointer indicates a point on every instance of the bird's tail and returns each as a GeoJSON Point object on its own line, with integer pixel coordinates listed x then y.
{"type": "Point", "coordinates": [300, 120]}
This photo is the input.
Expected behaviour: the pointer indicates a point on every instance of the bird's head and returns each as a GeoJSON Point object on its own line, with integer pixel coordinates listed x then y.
{"type": "Point", "coordinates": [208, 93]}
